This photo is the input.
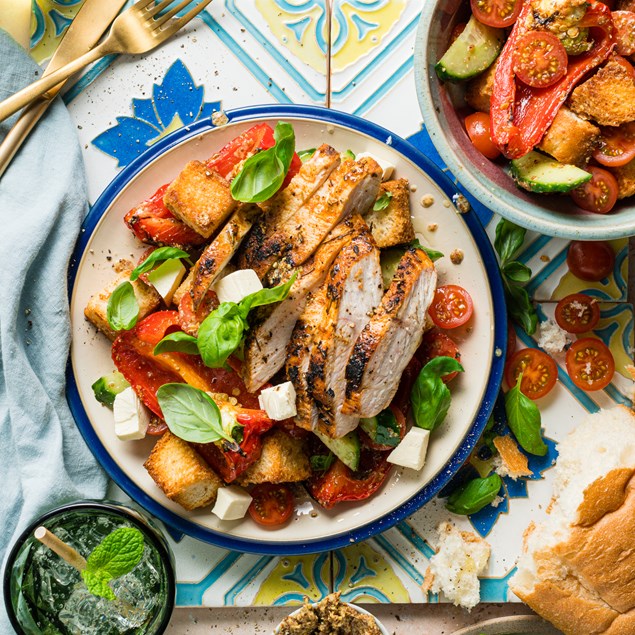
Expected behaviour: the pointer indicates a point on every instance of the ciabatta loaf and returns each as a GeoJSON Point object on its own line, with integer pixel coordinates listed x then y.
{"type": "Point", "coordinates": [578, 568]}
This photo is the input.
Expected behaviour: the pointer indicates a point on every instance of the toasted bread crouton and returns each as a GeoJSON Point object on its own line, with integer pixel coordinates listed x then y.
{"type": "Point", "coordinates": [625, 176]}
{"type": "Point", "coordinates": [96, 310]}
{"type": "Point", "coordinates": [478, 93]}
{"type": "Point", "coordinates": [608, 97]}
{"type": "Point", "coordinates": [513, 462]}
{"type": "Point", "coordinates": [181, 473]}
{"type": "Point", "coordinates": [393, 225]}
{"type": "Point", "coordinates": [200, 198]}
{"type": "Point", "coordinates": [570, 139]}
{"type": "Point", "coordinates": [283, 460]}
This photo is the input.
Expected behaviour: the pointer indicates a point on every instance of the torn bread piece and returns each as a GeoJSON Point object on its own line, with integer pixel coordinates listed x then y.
{"type": "Point", "coordinates": [96, 310]}
{"type": "Point", "coordinates": [460, 558]}
{"type": "Point", "coordinates": [392, 225]}
{"type": "Point", "coordinates": [513, 462]}
{"type": "Point", "coordinates": [578, 566]}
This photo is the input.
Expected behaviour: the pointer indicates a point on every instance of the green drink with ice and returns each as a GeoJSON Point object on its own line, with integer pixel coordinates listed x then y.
{"type": "Point", "coordinates": [46, 595]}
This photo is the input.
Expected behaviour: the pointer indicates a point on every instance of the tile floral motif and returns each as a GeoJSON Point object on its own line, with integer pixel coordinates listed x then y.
{"type": "Point", "coordinates": [177, 101]}
{"type": "Point", "coordinates": [50, 20]}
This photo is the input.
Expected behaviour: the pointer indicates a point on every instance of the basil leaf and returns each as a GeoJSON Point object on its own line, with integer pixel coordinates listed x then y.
{"type": "Point", "coordinates": [382, 202]}
{"type": "Point", "coordinates": [430, 397]}
{"type": "Point", "coordinates": [158, 255]}
{"type": "Point", "coordinates": [348, 154]}
{"type": "Point", "coordinates": [263, 297]}
{"type": "Point", "coordinates": [305, 155]}
{"type": "Point", "coordinates": [122, 311]}
{"type": "Point", "coordinates": [523, 419]}
{"type": "Point", "coordinates": [520, 307]}
{"type": "Point", "coordinates": [322, 462]}
{"type": "Point", "coordinates": [509, 238]}
{"type": "Point", "coordinates": [220, 334]}
{"type": "Point", "coordinates": [433, 254]}
{"type": "Point", "coordinates": [263, 173]}
{"type": "Point", "coordinates": [190, 413]}
{"type": "Point", "coordinates": [516, 271]}
{"type": "Point", "coordinates": [473, 496]}
{"type": "Point", "coordinates": [387, 431]}
{"type": "Point", "coordinates": [178, 342]}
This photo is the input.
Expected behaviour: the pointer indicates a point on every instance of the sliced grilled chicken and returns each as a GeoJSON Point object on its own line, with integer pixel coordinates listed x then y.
{"type": "Point", "coordinates": [391, 338]}
{"type": "Point", "coordinates": [263, 245]}
{"type": "Point", "coordinates": [266, 342]}
{"type": "Point", "coordinates": [353, 290]}
{"type": "Point", "coordinates": [220, 251]}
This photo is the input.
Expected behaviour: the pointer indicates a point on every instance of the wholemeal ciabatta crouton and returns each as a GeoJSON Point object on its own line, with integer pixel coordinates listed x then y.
{"type": "Point", "coordinates": [97, 307]}
{"type": "Point", "coordinates": [570, 139]}
{"type": "Point", "coordinates": [625, 176]}
{"type": "Point", "coordinates": [182, 473]}
{"type": "Point", "coordinates": [283, 460]}
{"type": "Point", "coordinates": [393, 225]}
{"type": "Point", "coordinates": [513, 462]}
{"type": "Point", "coordinates": [578, 566]}
{"type": "Point", "coordinates": [478, 93]}
{"type": "Point", "coordinates": [608, 97]}
{"type": "Point", "coordinates": [200, 198]}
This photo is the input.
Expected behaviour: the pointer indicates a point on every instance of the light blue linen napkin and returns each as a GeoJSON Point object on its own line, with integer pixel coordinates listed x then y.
{"type": "Point", "coordinates": [43, 458]}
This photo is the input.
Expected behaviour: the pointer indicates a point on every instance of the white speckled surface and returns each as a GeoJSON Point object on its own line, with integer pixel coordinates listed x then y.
{"type": "Point", "coordinates": [400, 619]}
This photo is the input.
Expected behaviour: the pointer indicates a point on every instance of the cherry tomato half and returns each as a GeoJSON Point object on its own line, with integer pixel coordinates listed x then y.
{"type": "Point", "coordinates": [496, 13]}
{"type": "Point", "coordinates": [590, 261]}
{"type": "Point", "coordinates": [539, 372]}
{"type": "Point", "coordinates": [624, 22]}
{"type": "Point", "coordinates": [451, 307]}
{"type": "Point", "coordinates": [438, 344]}
{"type": "Point", "coordinates": [478, 126]}
{"type": "Point", "coordinates": [577, 313]}
{"type": "Point", "coordinates": [598, 195]}
{"type": "Point", "coordinates": [590, 364]}
{"type": "Point", "coordinates": [539, 59]}
{"type": "Point", "coordinates": [272, 504]}
{"type": "Point", "coordinates": [617, 146]}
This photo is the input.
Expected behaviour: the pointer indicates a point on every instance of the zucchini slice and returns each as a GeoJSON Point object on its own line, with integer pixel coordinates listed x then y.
{"type": "Point", "coordinates": [540, 173]}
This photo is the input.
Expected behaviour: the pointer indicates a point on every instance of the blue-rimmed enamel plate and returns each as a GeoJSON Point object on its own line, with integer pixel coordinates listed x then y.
{"type": "Point", "coordinates": [105, 239]}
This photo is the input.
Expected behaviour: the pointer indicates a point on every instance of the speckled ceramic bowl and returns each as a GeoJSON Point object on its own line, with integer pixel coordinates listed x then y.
{"type": "Point", "coordinates": [552, 215]}
{"type": "Point", "coordinates": [514, 625]}
{"type": "Point", "coordinates": [359, 609]}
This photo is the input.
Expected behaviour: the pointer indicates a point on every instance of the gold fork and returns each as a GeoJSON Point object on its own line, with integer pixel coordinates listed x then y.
{"type": "Point", "coordinates": [136, 30]}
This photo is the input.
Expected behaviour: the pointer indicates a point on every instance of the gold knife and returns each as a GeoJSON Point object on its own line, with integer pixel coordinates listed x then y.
{"type": "Point", "coordinates": [90, 23]}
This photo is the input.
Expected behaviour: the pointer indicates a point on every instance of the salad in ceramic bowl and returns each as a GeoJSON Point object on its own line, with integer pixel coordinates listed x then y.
{"type": "Point", "coordinates": [544, 92]}
{"type": "Point", "coordinates": [277, 339]}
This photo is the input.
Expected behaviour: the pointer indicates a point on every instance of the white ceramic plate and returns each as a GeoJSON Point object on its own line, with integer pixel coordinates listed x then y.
{"type": "Point", "coordinates": [105, 239]}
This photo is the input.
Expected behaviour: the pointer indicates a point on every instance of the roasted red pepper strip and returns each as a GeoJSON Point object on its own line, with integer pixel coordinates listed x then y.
{"type": "Point", "coordinates": [520, 114]}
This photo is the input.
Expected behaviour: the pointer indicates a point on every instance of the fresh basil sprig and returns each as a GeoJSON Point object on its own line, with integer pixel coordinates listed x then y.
{"type": "Point", "coordinates": [222, 331]}
{"type": "Point", "coordinates": [433, 254]}
{"type": "Point", "coordinates": [509, 238]}
{"type": "Point", "coordinates": [430, 397]}
{"type": "Point", "coordinates": [382, 202]}
{"type": "Point", "coordinates": [191, 414]}
{"type": "Point", "coordinates": [383, 428]}
{"type": "Point", "coordinates": [321, 462]}
{"type": "Point", "coordinates": [263, 173]}
{"type": "Point", "coordinates": [177, 342]}
{"type": "Point", "coordinates": [122, 311]}
{"type": "Point", "coordinates": [349, 155]}
{"type": "Point", "coordinates": [158, 255]}
{"type": "Point", "coordinates": [523, 418]}
{"type": "Point", "coordinates": [117, 554]}
{"type": "Point", "coordinates": [305, 155]}
{"type": "Point", "coordinates": [474, 495]}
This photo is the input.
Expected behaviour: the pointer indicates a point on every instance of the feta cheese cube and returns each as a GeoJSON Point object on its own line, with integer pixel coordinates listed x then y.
{"type": "Point", "coordinates": [232, 503]}
{"type": "Point", "coordinates": [411, 452]}
{"type": "Point", "coordinates": [167, 277]}
{"type": "Point", "coordinates": [278, 401]}
{"type": "Point", "coordinates": [386, 167]}
{"type": "Point", "coordinates": [131, 416]}
{"type": "Point", "coordinates": [238, 285]}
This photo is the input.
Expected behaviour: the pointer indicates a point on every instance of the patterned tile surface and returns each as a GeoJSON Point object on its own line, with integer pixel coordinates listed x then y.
{"type": "Point", "coordinates": [243, 52]}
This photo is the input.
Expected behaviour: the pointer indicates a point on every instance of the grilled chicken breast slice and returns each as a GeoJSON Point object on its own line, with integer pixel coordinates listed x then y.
{"type": "Point", "coordinates": [391, 337]}
{"type": "Point", "coordinates": [266, 342]}
{"type": "Point", "coordinates": [263, 247]}
{"type": "Point", "coordinates": [353, 290]}
{"type": "Point", "coordinates": [219, 252]}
